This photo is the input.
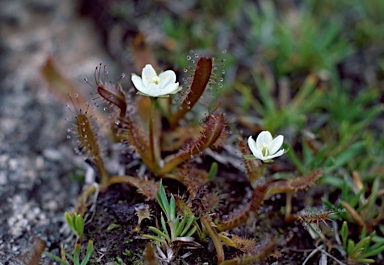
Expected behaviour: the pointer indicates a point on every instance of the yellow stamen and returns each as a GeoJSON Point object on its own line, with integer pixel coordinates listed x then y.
{"type": "Point", "coordinates": [265, 151]}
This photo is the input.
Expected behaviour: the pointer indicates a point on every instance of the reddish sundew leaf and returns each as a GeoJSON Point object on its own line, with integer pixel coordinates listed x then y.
{"type": "Point", "coordinates": [242, 214]}
{"type": "Point", "coordinates": [201, 78]}
{"type": "Point", "coordinates": [89, 141]}
{"type": "Point", "coordinates": [294, 185]}
{"type": "Point", "coordinates": [213, 128]}
{"type": "Point", "coordinates": [259, 254]}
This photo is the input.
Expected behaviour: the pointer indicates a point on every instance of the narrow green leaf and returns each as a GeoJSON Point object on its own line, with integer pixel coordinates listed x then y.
{"type": "Point", "coordinates": [249, 157]}
{"type": "Point", "coordinates": [179, 226]}
{"type": "Point", "coordinates": [160, 233]}
{"type": "Point", "coordinates": [71, 258]}
{"type": "Point", "coordinates": [372, 198]}
{"type": "Point", "coordinates": [164, 199]}
{"type": "Point", "coordinates": [346, 156]}
{"type": "Point", "coordinates": [213, 171]}
{"type": "Point", "coordinates": [362, 243]}
{"type": "Point", "coordinates": [191, 232]}
{"type": "Point", "coordinates": [68, 219]}
{"type": "Point", "coordinates": [56, 258]}
{"type": "Point", "coordinates": [350, 246]}
{"type": "Point", "coordinates": [80, 225]}
{"type": "Point", "coordinates": [164, 225]}
{"type": "Point", "coordinates": [373, 252]}
{"type": "Point", "coordinates": [76, 253]}
{"type": "Point", "coordinates": [188, 225]}
{"type": "Point", "coordinates": [364, 260]}
{"type": "Point", "coordinates": [73, 222]}
{"type": "Point", "coordinates": [363, 233]}
{"type": "Point", "coordinates": [88, 253]}
{"type": "Point", "coordinates": [158, 198]}
{"type": "Point", "coordinates": [355, 199]}
{"type": "Point", "coordinates": [172, 209]}
{"type": "Point", "coordinates": [158, 239]}
{"type": "Point", "coordinates": [344, 234]}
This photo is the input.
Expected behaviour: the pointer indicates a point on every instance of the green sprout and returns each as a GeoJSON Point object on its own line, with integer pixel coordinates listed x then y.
{"type": "Point", "coordinates": [76, 223]}
{"type": "Point", "coordinates": [361, 251]}
{"type": "Point", "coordinates": [175, 230]}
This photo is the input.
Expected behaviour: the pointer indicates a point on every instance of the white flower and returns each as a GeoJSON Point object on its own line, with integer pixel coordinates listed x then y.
{"type": "Point", "coordinates": [152, 85]}
{"type": "Point", "coordinates": [265, 148]}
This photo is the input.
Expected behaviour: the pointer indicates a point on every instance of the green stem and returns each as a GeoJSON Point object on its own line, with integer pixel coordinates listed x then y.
{"type": "Point", "coordinates": [215, 239]}
{"type": "Point", "coordinates": [262, 169]}
{"type": "Point", "coordinates": [151, 135]}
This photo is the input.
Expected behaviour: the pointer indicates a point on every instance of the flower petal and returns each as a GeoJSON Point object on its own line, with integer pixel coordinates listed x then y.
{"type": "Point", "coordinates": [154, 90]}
{"type": "Point", "coordinates": [276, 144]}
{"type": "Point", "coordinates": [147, 74]}
{"type": "Point", "coordinates": [138, 83]}
{"type": "Point", "coordinates": [281, 152]}
{"type": "Point", "coordinates": [264, 138]}
{"type": "Point", "coordinates": [253, 147]}
{"type": "Point", "coordinates": [167, 78]}
{"type": "Point", "coordinates": [170, 89]}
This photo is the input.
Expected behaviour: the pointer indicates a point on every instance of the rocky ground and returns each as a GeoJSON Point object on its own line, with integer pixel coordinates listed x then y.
{"type": "Point", "coordinates": [36, 159]}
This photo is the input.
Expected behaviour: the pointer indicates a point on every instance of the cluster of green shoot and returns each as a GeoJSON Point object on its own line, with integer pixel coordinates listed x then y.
{"type": "Point", "coordinates": [76, 223]}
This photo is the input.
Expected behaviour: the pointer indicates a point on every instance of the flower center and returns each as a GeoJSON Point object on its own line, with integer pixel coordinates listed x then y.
{"type": "Point", "coordinates": [265, 151]}
{"type": "Point", "coordinates": [155, 80]}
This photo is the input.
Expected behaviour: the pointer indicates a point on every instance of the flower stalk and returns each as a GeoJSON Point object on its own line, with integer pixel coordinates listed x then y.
{"type": "Point", "coordinates": [151, 134]}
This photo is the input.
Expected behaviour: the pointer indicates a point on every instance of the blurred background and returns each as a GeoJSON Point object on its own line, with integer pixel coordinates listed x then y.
{"type": "Point", "coordinates": [311, 70]}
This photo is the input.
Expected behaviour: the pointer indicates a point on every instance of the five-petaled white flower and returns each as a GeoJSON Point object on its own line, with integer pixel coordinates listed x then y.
{"type": "Point", "coordinates": [153, 85]}
{"type": "Point", "coordinates": [265, 148]}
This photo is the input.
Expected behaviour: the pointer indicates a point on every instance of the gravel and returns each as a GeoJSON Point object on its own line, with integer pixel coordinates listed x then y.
{"type": "Point", "coordinates": [36, 158]}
